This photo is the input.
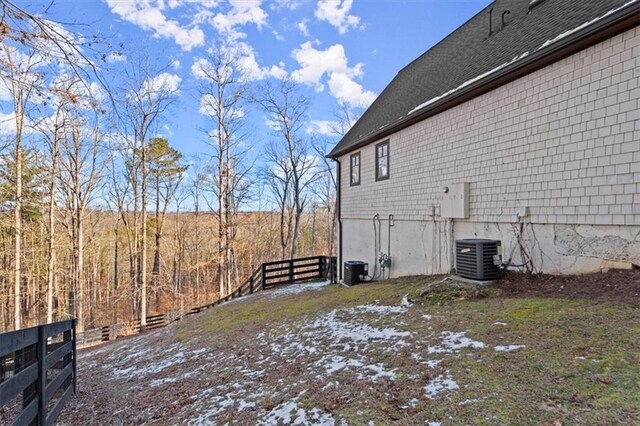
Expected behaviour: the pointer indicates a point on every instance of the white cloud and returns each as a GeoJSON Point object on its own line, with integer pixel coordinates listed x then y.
{"type": "Point", "coordinates": [303, 27]}
{"type": "Point", "coordinates": [148, 15]}
{"type": "Point", "coordinates": [247, 61]}
{"type": "Point", "coordinates": [314, 64]}
{"type": "Point", "coordinates": [8, 125]}
{"type": "Point", "coordinates": [176, 65]}
{"type": "Point", "coordinates": [277, 35]}
{"type": "Point", "coordinates": [207, 103]}
{"type": "Point", "coordinates": [200, 67]}
{"type": "Point", "coordinates": [348, 92]}
{"type": "Point", "coordinates": [204, 3]}
{"type": "Point", "coordinates": [336, 13]}
{"type": "Point", "coordinates": [206, 106]}
{"type": "Point", "coordinates": [286, 4]}
{"type": "Point", "coordinates": [116, 56]}
{"type": "Point", "coordinates": [272, 124]}
{"type": "Point", "coordinates": [5, 93]}
{"type": "Point", "coordinates": [322, 127]}
{"type": "Point", "coordinates": [167, 130]}
{"type": "Point", "coordinates": [247, 64]}
{"type": "Point", "coordinates": [242, 12]}
{"type": "Point", "coordinates": [163, 83]}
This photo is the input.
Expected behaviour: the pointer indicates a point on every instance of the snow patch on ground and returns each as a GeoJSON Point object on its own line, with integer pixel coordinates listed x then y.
{"type": "Point", "coordinates": [379, 373]}
{"type": "Point", "coordinates": [454, 342]}
{"type": "Point", "coordinates": [405, 301]}
{"type": "Point", "coordinates": [155, 366]}
{"type": "Point", "coordinates": [339, 330]}
{"type": "Point", "coordinates": [433, 363]}
{"type": "Point", "coordinates": [440, 384]}
{"type": "Point", "coordinates": [333, 363]}
{"type": "Point", "coordinates": [290, 413]}
{"type": "Point", "coordinates": [297, 288]}
{"type": "Point", "coordinates": [343, 345]}
{"type": "Point", "coordinates": [509, 348]}
{"type": "Point", "coordinates": [379, 309]}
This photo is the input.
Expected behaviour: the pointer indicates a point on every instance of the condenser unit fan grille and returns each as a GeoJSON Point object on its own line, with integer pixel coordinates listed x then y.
{"type": "Point", "coordinates": [474, 259]}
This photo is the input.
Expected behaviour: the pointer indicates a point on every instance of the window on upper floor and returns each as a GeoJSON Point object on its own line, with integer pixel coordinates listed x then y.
{"type": "Point", "coordinates": [382, 160]}
{"type": "Point", "coordinates": [355, 169]}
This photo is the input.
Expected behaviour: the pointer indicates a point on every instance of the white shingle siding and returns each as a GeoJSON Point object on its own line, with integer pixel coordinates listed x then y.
{"type": "Point", "coordinates": [564, 141]}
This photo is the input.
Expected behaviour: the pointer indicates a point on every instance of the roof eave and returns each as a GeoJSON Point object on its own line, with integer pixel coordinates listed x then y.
{"type": "Point", "coordinates": [607, 27]}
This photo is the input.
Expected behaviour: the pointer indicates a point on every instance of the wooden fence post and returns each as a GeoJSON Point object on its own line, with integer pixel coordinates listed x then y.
{"type": "Point", "coordinates": [321, 267]}
{"type": "Point", "coordinates": [263, 272]}
{"type": "Point", "coordinates": [29, 356]}
{"type": "Point", "coordinates": [291, 276]}
{"type": "Point", "coordinates": [3, 367]}
{"type": "Point", "coordinates": [75, 357]}
{"type": "Point", "coordinates": [41, 383]}
{"type": "Point", "coordinates": [251, 284]}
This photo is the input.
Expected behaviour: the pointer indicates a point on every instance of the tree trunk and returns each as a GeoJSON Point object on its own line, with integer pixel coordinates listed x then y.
{"type": "Point", "coordinates": [114, 295]}
{"type": "Point", "coordinates": [51, 261]}
{"type": "Point", "coordinates": [143, 248]}
{"type": "Point", "coordinates": [156, 252]}
{"type": "Point", "coordinates": [18, 225]}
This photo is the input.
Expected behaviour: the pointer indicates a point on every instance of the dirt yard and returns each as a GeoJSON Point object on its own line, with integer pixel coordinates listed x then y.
{"type": "Point", "coordinates": [614, 286]}
{"type": "Point", "coordinates": [538, 350]}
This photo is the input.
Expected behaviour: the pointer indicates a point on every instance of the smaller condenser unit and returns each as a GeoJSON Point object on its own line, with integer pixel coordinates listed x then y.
{"type": "Point", "coordinates": [355, 271]}
{"type": "Point", "coordinates": [474, 259]}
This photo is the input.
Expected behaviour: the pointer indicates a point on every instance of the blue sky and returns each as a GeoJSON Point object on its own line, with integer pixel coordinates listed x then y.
{"type": "Point", "coordinates": [343, 52]}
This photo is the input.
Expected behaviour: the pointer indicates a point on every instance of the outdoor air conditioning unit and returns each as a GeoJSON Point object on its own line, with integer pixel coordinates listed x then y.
{"type": "Point", "coordinates": [355, 271]}
{"type": "Point", "coordinates": [474, 259]}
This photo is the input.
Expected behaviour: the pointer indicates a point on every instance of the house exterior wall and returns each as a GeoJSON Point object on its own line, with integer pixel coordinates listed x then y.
{"type": "Point", "coordinates": [563, 141]}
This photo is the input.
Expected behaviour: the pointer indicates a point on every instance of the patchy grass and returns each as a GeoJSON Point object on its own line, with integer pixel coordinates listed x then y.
{"type": "Point", "coordinates": [243, 313]}
{"type": "Point", "coordinates": [449, 290]}
{"type": "Point", "coordinates": [455, 356]}
{"type": "Point", "coordinates": [580, 364]}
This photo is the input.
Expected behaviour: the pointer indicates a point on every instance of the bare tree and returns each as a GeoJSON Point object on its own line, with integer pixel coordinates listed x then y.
{"type": "Point", "coordinates": [292, 168]}
{"type": "Point", "coordinates": [221, 93]}
{"type": "Point", "coordinates": [149, 94]}
{"type": "Point", "coordinates": [53, 131]}
{"type": "Point", "coordinates": [326, 185]}
{"type": "Point", "coordinates": [81, 170]}
{"type": "Point", "coordinates": [18, 73]}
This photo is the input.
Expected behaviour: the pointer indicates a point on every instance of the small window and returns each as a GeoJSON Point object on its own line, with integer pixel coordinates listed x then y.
{"type": "Point", "coordinates": [382, 160]}
{"type": "Point", "coordinates": [355, 169]}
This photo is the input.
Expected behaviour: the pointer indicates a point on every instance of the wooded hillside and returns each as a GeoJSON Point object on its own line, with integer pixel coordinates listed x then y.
{"type": "Point", "coordinates": [103, 219]}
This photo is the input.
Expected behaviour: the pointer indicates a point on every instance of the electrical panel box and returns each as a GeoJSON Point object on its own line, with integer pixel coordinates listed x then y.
{"type": "Point", "coordinates": [455, 201]}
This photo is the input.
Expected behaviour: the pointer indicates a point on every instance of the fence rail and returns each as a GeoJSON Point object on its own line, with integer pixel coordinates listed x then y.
{"type": "Point", "coordinates": [266, 276]}
{"type": "Point", "coordinates": [37, 373]}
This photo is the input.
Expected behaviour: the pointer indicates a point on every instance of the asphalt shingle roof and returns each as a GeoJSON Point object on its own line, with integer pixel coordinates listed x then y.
{"type": "Point", "coordinates": [470, 52]}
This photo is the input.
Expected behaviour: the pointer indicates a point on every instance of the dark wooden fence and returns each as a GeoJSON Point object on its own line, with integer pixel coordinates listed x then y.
{"type": "Point", "coordinates": [37, 373]}
{"type": "Point", "coordinates": [266, 276]}
{"type": "Point", "coordinates": [297, 270]}
{"type": "Point", "coordinates": [273, 274]}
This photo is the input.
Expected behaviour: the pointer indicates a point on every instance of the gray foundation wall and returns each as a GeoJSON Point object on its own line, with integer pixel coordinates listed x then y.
{"type": "Point", "coordinates": [423, 247]}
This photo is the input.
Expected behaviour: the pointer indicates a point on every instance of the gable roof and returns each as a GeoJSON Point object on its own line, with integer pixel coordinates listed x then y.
{"type": "Point", "coordinates": [467, 61]}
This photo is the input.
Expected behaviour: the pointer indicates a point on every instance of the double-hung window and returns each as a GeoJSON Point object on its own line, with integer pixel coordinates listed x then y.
{"type": "Point", "coordinates": [382, 160]}
{"type": "Point", "coordinates": [355, 169]}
